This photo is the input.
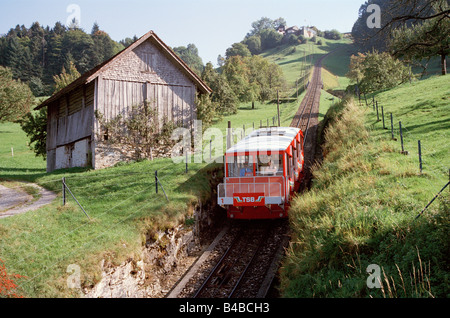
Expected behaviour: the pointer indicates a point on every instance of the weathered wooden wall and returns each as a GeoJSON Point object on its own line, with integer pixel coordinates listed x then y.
{"type": "Point", "coordinates": [145, 73]}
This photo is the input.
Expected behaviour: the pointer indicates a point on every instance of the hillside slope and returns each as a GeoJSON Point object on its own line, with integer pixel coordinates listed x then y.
{"type": "Point", "coordinates": [357, 224]}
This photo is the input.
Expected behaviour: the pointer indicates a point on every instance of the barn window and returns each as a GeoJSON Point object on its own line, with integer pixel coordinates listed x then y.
{"type": "Point", "coordinates": [147, 62]}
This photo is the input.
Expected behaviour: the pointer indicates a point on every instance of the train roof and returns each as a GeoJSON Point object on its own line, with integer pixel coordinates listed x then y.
{"type": "Point", "coordinates": [266, 139]}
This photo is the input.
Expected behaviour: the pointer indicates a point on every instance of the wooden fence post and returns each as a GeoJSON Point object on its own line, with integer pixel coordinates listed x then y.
{"type": "Point", "coordinates": [401, 138]}
{"type": "Point", "coordinates": [378, 116]}
{"type": "Point", "coordinates": [392, 127]}
{"type": "Point", "coordinates": [156, 181]}
{"type": "Point", "coordinates": [420, 156]}
{"type": "Point", "coordinates": [64, 190]}
{"type": "Point", "coordinates": [229, 135]}
{"type": "Point", "coordinates": [278, 109]}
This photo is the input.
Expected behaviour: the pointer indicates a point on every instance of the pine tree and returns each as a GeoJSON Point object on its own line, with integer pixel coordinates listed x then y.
{"type": "Point", "coordinates": [65, 78]}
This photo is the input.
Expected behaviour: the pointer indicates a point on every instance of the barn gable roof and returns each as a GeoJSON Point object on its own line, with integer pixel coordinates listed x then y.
{"type": "Point", "coordinates": [90, 75]}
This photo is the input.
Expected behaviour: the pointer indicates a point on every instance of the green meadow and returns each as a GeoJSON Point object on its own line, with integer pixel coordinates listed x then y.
{"type": "Point", "coordinates": [362, 208]}
{"type": "Point", "coordinates": [123, 213]}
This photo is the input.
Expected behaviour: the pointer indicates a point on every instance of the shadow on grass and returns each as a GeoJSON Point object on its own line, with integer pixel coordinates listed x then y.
{"type": "Point", "coordinates": [204, 181]}
{"type": "Point", "coordinates": [34, 174]}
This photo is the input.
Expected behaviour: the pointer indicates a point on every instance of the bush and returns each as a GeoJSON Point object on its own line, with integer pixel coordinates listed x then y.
{"type": "Point", "coordinates": [34, 124]}
{"type": "Point", "coordinates": [15, 97]}
{"type": "Point", "coordinates": [8, 284]}
{"type": "Point", "coordinates": [332, 35]}
{"type": "Point", "coordinates": [376, 71]}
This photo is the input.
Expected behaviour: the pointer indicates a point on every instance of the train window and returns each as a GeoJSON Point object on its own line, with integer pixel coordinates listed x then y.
{"type": "Point", "coordinates": [240, 166]}
{"type": "Point", "coordinates": [291, 166]}
{"type": "Point", "coordinates": [295, 153]}
{"type": "Point", "coordinates": [269, 165]}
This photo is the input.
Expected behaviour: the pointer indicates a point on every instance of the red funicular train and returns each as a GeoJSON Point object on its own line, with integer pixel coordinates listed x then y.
{"type": "Point", "coordinates": [262, 171]}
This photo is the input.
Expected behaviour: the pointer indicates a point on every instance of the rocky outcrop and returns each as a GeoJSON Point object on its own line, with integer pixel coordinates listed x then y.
{"type": "Point", "coordinates": [162, 263]}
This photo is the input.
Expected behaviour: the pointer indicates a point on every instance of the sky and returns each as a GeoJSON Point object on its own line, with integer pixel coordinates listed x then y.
{"type": "Point", "coordinates": [212, 25]}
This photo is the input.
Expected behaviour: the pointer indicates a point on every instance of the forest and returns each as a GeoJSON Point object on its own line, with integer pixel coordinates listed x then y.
{"type": "Point", "coordinates": [36, 54]}
{"type": "Point", "coordinates": [47, 59]}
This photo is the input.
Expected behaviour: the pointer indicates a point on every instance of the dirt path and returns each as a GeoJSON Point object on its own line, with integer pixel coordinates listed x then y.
{"type": "Point", "coordinates": [15, 201]}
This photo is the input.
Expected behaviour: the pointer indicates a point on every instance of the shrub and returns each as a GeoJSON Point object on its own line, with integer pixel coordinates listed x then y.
{"type": "Point", "coordinates": [8, 284]}
{"type": "Point", "coordinates": [376, 71]}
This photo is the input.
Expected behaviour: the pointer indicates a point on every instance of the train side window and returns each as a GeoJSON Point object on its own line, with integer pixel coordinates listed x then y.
{"type": "Point", "coordinates": [291, 166]}
{"type": "Point", "coordinates": [295, 152]}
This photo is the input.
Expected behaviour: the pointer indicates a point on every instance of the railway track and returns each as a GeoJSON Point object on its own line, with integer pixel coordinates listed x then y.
{"type": "Point", "coordinates": [311, 100]}
{"type": "Point", "coordinates": [307, 120]}
{"type": "Point", "coordinates": [241, 262]}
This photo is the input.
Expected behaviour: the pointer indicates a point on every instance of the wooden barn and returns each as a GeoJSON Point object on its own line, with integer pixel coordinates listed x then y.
{"type": "Point", "coordinates": [147, 70]}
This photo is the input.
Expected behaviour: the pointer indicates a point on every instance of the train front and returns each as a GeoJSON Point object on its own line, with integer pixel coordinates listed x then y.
{"type": "Point", "coordinates": [257, 182]}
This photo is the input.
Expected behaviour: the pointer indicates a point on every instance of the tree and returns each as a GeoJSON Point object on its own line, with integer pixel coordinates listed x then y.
{"type": "Point", "coordinates": [259, 25]}
{"type": "Point", "coordinates": [15, 97]}
{"type": "Point", "coordinates": [138, 131]}
{"type": "Point", "coordinates": [332, 35]}
{"type": "Point", "coordinates": [270, 38]}
{"type": "Point", "coordinates": [103, 47]}
{"type": "Point", "coordinates": [190, 56]}
{"type": "Point", "coordinates": [397, 16]}
{"type": "Point", "coordinates": [378, 71]}
{"type": "Point", "coordinates": [254, 44]}
{"type": "Point", "coordinates": [40, 53]}
{"type": "Point", "coordinates": [423, 40]}
{"type": "Point", "coordinates": [35, 126]}
{"type": "Point", "coordinates": [368, 39]}
{"type": "Point", "coordinates": [267, 76]}
{"type": "Point", "coordinates": [253, 78]}
{"type": "Point", "coordinates": [223, 97]}
{"type": "Point", "coordinates": [278, 23]}
{"type": "Point", "coordinates": [236, 72]}
{"type": "Point", "coordinates": [65, 78]}
{"type": "Point", "coordinates": [79, 46]}
{"type": "Point", "coordinates": [206, 110]}
{"type": "Point", "coordinates": [356, 70]}
{"type": "Point", "coordinates": [238, 49]}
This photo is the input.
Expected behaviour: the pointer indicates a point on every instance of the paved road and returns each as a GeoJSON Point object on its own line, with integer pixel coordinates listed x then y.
{"type": "Point", "coordinates": [14, 201]}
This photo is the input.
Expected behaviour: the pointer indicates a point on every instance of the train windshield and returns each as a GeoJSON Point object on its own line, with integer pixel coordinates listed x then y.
{"type": "Point", "coordinates": [269, 165]}
{"type": "Point", "coordinates": [240, 166]}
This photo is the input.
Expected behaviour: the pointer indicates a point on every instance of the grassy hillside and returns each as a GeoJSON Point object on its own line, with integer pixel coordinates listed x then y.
{"type": "Point", "coordinates": [295, 61]}
{"type": "Point", "coordinates": [121, 201]}
{"type": "Point", "coordinates": [365, 197]}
